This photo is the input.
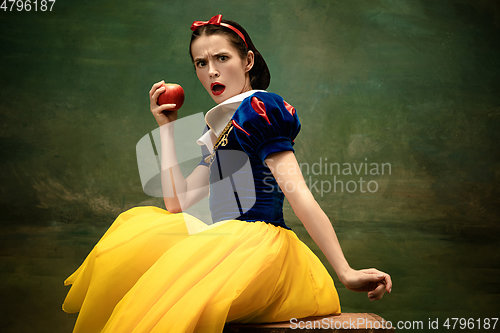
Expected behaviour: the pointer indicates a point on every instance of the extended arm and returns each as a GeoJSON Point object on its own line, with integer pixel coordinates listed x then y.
{"type": "Point", "coordinates": [179, 193]}
{"type": "Point", "coordinates": [287, 172]}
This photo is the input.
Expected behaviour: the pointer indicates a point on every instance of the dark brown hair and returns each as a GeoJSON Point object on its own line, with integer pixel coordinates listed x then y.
{"type": "Point", "coordinates": [260, 77]}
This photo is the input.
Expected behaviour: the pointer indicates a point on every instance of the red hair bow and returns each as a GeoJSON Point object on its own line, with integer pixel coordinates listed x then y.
{"type": "Point", "coordinates": [216, 20]}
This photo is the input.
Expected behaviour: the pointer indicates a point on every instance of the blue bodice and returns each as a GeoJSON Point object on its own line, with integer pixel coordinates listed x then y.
{"type": "Point", "coordinates": [242, 187]}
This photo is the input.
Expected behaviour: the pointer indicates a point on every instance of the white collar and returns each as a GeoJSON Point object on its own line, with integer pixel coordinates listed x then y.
{"type": "Point", "coordinates": [218, 117]}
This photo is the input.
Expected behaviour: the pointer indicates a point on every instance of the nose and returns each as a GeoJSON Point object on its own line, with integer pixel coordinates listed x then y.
{"type": "Point", "coordinates": [212, 71]}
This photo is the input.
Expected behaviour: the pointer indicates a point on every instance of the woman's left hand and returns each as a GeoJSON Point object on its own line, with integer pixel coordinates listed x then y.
{"type": "Point", "coordinates": [371, 280]}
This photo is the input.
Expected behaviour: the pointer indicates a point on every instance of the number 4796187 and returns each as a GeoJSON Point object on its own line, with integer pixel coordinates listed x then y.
{"type": "Point", "coordinates": [470, 323]}
{"type": "Point", "coordinates": [27, 5]}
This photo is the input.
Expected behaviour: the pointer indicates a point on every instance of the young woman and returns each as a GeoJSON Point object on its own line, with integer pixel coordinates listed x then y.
{"type": "Point", "coordinates": [148, 274]}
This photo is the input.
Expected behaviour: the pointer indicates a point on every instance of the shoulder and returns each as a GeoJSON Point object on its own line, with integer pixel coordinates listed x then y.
{"type": "Point", "coordinates": [267, 99]}
{"type": "Point", "coordinates": [265, 108]}
{"type": "Point", "coordinates": [265, 122]}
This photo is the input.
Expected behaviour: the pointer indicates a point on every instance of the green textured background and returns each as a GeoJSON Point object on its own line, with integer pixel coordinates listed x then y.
{"type": "Point", "coordinates": [412, 83]}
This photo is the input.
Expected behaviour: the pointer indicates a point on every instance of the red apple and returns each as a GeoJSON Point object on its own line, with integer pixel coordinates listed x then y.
{"type": "Point", "coordinates": [173, 94]}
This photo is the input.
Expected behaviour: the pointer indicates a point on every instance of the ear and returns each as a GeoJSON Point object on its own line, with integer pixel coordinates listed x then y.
{"type": "Point", "coordinates": [249, 61]}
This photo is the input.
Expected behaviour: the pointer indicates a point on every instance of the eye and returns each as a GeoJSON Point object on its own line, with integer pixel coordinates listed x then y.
{"type": "Point", "coordinates": [200, 63]}
{"type": "Point", "coordinates": [223, 58]}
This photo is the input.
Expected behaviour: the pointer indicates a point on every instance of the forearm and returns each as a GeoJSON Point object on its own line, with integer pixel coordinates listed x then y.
{"type": "Point", "coordinates": [321, 231]}
{"type": "Point", "coordinates": [172, 180]}
{"type": "Point", "coordinates": [286, 170]}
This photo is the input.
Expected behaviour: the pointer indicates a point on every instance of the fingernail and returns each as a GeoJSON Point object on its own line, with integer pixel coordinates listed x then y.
{"type": "Point", "coordinates": [380, 275]}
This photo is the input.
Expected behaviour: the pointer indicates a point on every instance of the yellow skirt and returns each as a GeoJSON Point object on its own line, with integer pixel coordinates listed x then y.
{"type": "Point", "coordinates": [148, 274]}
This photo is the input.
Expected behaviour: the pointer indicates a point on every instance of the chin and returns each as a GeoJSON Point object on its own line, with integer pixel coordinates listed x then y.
{"type": "Point", "coordinates": [221, 98]}
{"type": "Point", "coordinates": [218, 99]}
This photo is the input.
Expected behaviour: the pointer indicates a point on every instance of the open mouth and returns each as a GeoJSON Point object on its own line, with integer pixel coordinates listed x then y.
{"type": "Point", "coordinates": [217, 88]}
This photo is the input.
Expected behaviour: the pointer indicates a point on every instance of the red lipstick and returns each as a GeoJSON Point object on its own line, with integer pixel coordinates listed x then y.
{"type": "Point", "coordinates": [217, 88]}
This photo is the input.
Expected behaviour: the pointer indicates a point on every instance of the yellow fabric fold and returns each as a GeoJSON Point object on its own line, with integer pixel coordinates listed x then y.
{"type": "Point", "coordinates": [148, 274]}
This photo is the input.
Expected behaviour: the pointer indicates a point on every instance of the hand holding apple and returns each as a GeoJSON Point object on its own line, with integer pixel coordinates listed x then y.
{"type": "Point", "coordinates": [173, 94]}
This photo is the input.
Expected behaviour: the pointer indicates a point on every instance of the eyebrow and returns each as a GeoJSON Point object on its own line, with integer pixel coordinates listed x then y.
{"type": "Point", "coordinates": [225, 53]}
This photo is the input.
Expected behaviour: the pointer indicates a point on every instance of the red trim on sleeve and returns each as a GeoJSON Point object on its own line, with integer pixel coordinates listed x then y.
{"type": "Point", "coordinates": [259, 107]}
{"type": "Point", "coordinates": [290, 108]}
{"type": "Point", "coordinates": [235, 124]}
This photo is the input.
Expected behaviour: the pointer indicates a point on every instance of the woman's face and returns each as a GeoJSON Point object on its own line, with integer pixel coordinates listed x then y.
{"type": "Point", "coordinates": [219, 67]}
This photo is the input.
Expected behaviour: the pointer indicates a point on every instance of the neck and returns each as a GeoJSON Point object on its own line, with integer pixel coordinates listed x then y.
{"type": "Point", "coordinates": [218, 117]}
{"type": "Point", "coordinates": [247, 86]}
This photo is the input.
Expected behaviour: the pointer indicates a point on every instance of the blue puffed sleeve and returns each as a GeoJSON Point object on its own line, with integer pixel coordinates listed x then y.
{"type": "Point", "coordinates": [204, 150]}
{"type": "Point", "coordinates": [264, 124]}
